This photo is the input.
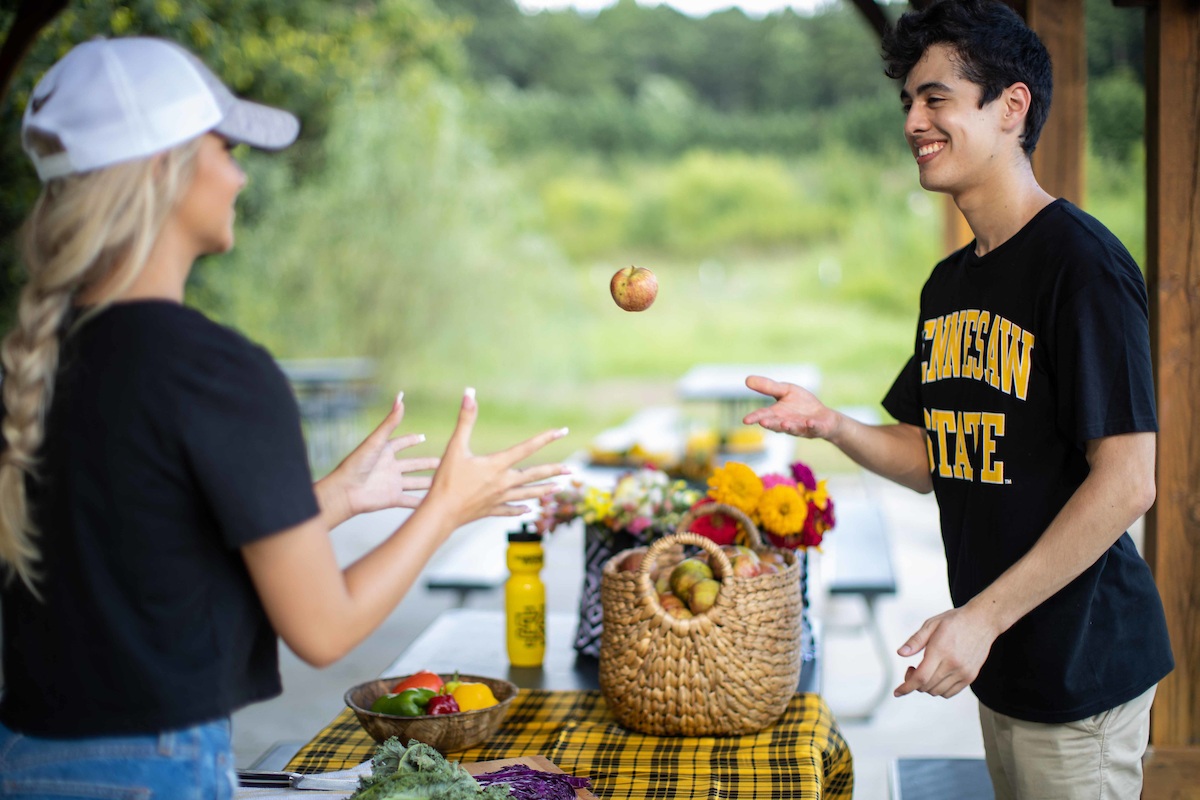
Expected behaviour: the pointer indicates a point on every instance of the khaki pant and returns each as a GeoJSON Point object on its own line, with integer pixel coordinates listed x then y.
{"type": "Point", "coordinates": [1097, 758]}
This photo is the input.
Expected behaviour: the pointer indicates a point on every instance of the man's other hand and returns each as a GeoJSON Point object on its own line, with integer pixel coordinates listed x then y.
{"type": "Point", "coordinates": [956, 643]}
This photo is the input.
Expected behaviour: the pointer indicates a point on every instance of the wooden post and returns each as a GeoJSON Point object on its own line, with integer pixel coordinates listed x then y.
{"type": "Point", "coordinates": [1172, 543]}
{"type": "Point", "coordinates": [1059, 160]}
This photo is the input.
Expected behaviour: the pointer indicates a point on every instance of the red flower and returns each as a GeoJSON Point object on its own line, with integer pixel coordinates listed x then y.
{"type": "Point", "coordinates": [721, 528]}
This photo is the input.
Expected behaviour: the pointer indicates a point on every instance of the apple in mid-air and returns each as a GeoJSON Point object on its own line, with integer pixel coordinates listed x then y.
{"type": "Point", "coordinates": [634, 288]}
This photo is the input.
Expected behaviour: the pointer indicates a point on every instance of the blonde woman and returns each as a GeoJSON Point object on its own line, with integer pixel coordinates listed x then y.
{"type": "Point", "coordinates": [158, 523]}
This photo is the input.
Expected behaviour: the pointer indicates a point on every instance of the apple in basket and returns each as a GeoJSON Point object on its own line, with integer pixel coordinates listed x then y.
{"type": "Point", "coordinates": [745, 566]}
{"type": "Point", "coordinates": [768, 568]}
{"type": "Point", "coordinates": [634, 288]}
{"type": "Point", "coordinates": [669, 601]}
{"type": "Point", "coordinates": [633, 561]}
{"type": "Point", "coordinates": [773, 558]}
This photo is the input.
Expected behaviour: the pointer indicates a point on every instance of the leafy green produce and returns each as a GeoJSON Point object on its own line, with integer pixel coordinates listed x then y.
{"type": "Point", "coordinates": [418, 772]}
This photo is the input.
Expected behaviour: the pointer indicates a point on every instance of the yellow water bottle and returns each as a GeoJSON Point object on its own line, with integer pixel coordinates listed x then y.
{"type": "Point", "coordinates": [525, 600]}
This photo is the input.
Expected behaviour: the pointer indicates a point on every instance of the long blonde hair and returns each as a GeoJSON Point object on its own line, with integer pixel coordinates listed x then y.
{"type": "Point", "coordinates": [83, 229]}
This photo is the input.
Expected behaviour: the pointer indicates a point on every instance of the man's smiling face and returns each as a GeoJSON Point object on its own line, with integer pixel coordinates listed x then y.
{"type": "Point", "coordinates": [956, 143]}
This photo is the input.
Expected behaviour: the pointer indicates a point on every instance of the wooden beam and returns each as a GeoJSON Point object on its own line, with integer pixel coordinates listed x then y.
{"type": "Point", "coordinates": [1059, 160]}
{"type": "Point", "coordinates": [28, 23]}
{"type": "Point", "coordinates": [874, 16]}
{"type": "Point", "coordinates": [1172, 539]}
{"type": "Point", "coordinates": [956, 232]}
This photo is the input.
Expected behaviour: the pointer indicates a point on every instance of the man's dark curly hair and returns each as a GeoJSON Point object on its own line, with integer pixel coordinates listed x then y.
{"type": "Point", "coordinates": [994, 49]}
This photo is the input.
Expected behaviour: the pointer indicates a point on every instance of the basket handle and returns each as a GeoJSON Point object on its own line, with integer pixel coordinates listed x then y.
{"type": "Point", "coordinates": [694, 514]}
{"type": "Point", "coordinates": [645, 588]}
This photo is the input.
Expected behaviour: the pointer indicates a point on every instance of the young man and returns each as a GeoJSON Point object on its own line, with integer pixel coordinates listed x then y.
{"type": "Point", "coordinates": [1028, 408]}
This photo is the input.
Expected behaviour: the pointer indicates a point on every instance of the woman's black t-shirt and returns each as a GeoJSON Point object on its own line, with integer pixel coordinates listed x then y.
{"type": "Point", "coordinates": [1022, 356]}
{"type": "Point", "coordinates": [170, 442]}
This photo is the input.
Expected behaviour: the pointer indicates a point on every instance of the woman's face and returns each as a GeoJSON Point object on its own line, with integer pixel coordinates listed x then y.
{"type": "Point", "coordinates": [205, 212]}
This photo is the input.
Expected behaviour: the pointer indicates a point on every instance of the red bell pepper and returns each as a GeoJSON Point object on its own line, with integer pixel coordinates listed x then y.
{"type": "Point", "coordinates": [442, 704]}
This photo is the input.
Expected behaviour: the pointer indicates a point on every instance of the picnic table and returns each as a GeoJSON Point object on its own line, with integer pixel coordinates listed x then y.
{"type": "Point", "coordinates": [560, 714]}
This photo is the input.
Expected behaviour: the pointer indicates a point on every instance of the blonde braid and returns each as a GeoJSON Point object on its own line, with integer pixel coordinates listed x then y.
{"type": "Point", "coordinates": [83, 230]}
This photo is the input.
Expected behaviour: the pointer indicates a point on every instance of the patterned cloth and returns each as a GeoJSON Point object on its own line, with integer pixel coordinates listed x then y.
{"type": "Point", "coordinates": [803, 755]}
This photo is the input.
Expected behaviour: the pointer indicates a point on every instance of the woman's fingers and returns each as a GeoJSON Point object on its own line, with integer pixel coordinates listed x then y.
{"type": "Point", "coordinates": [535, 474]}
{"type": "Point", "coordinates": [405, 442]}
{"type": "Point", "coordinates": [460, 440]}
{"type": "Point", "coordinates": [529, 492]}
{"type": "Point", "coordinates": [384, 430]}
{"type": "Point", "coordinates": [418, 464]}
{"type": "Point", "coordinates": [410, 484]}
{"type": "Point", "coordinates": [519, 452]}
{"type": "Point", "coordinates": [505, 510]}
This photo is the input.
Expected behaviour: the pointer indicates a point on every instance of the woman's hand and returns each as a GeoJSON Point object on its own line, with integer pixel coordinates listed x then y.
{"type": "Point", "coordinates": [798, 411]}
{"type": "Point", "coordinates": [471, 486]}
{"type": "Point", "coordinates": [371, 478]}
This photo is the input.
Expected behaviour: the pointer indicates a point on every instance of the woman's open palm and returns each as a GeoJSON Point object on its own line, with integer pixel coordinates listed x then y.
{"type": "Point", "coordinates": [372, 476]}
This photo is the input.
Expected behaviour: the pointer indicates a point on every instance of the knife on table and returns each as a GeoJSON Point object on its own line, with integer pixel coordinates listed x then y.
{"type": "Point", "coordinates": [253, 778]}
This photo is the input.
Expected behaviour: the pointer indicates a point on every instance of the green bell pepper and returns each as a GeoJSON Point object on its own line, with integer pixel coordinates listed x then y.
{"type": "Point", "coordinates": [409, 703]}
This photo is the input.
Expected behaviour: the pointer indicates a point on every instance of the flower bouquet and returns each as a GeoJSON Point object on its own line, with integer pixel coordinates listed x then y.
{"type": "Point", "coordinates": [644, 506]}
{"type": "Point", "coordinates": [792, 511]}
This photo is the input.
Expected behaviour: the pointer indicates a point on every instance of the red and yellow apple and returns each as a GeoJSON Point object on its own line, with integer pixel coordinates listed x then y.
{"type": "Point", "coordinates": [634, 288]}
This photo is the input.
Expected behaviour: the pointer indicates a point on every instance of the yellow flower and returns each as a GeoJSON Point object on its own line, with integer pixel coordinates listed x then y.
{"type": "Point", "coordinates": [736, 485]}
{"type": "Point", "coordinates": [783, 510]}
{"type": "Point", "coordinates": [820, 496]}
{"type": "Point", "coordinates": [597, 505]}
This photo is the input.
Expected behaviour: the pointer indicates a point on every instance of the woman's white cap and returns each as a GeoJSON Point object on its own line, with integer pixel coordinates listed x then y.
{"type": "Point", "coordinates": [114, 100]}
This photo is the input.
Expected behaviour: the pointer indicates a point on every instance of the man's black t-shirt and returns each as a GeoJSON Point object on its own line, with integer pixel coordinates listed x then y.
{"type": "Point", "coordinates": [170, 442]}
{"type": "Point", "coordinates": [1022, 356]}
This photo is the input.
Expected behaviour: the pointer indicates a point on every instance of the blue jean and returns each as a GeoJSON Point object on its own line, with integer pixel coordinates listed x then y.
{"type": "Point", "coordinates": [191, 763]}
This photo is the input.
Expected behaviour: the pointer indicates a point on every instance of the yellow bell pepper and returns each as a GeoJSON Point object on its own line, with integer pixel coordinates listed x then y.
{"type": "Point", "coordinates": [471, 696]}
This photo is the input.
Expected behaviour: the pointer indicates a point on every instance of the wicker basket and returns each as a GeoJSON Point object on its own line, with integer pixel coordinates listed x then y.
{"type": "Point", "coordinates": [729, 670]}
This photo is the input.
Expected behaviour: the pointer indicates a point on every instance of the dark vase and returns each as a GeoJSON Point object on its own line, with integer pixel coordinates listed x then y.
{"type": "Point", "coordinates": [599, 545]}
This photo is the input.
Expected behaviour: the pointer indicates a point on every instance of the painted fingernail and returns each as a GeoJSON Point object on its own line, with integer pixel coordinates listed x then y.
{"type": "Point", "coordinates": [400, 397]}
{"type": "Point", "coordinates": [469, 392]}
{"type": "Point", "coordinates": [561, 432]}
{"type": "Point", "coordinates": [420, 438]}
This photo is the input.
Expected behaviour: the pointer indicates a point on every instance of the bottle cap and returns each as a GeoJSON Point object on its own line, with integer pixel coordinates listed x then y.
{"type": "Point", "coordinates": [528, 533]}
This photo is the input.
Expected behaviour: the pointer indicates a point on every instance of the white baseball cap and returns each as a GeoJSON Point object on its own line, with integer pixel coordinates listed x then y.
{"type": "Point", "coordinates": [114, 100]}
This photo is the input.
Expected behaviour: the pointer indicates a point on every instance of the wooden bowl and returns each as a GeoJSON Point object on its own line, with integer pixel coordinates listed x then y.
{"type": "Point", "coordinates": [445, 732]}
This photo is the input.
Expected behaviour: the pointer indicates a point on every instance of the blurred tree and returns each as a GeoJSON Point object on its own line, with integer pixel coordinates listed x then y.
{"type": "Point", "coordinates": [1116, 113]}
{"type": "Point", "coordinates": [1115, 39]}
{"type": "Point", "coordinates": [298, 54]}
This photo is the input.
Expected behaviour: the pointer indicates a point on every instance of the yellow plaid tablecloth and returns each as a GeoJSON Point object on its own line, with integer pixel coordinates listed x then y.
{"type": "Point", "coordinates": [803, 755]}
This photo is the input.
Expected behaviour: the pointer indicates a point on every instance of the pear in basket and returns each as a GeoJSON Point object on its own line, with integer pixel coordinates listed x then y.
{"type": "Point", "coordinates": [686, 573]}
{"type": "Point", "coordinates": [703, 595]}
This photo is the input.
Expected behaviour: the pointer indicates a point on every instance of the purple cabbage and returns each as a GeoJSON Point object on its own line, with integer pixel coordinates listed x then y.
{"type": "Point", "coordinates": [531, 784]}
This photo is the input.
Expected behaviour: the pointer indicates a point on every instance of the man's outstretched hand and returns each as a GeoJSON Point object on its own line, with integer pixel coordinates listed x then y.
{"type": "Point", "coordinates": [797, 410]}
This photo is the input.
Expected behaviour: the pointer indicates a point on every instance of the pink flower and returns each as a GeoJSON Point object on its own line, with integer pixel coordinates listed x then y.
{"type": "Point", "coordinates": [776, 479]}
{"type": "Point", "coordinates": [804, 476]}
{"type": "Point", "coordinates": [640, 524]}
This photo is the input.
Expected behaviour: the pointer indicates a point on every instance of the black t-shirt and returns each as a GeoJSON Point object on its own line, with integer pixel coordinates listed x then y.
{"type": "Point", "coordinates": [170, 442]}
{"type": "Point", "coordinates": [1022, 356]}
